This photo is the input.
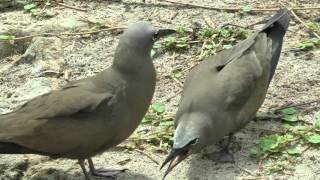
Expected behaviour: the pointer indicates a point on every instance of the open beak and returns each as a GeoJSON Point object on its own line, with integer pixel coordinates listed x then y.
{"type": "Point", "coordinates": [165, 32]}
{"type": "Point", "coordinates": [174, 157]}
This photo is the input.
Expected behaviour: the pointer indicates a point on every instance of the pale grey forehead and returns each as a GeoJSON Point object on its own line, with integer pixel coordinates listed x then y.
{"type": "Point", "coordinates": [140, 27]}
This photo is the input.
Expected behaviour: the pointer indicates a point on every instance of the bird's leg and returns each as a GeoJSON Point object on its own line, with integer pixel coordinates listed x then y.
{"type": "Point", "coordinates": [223, 155]}
{"type": "Point", "coordinates": [86, 175]}
{"type": "Point", "coordinates": [109, 172]}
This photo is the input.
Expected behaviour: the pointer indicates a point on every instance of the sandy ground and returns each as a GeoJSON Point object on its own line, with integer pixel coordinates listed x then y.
{"type": "Point", "coordinates": [296, 80]}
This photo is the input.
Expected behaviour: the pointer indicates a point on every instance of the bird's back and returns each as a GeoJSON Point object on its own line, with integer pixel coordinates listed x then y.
{"type": "Point", "coordinates": [231, 86]}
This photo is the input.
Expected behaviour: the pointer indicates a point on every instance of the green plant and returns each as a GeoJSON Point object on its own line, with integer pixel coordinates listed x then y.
{"type": "Point", "coordinates": [181, 30]}
{"type": "Point", "coordinates": [296, 136]}
{"type": "Point", "coordinates": [35, 10]}
{"type": "Point", "coordinates": [247, 8]}
{"type": "Point", "coordinates": [172, 43]}
{"type": "Point", "coordinates": [7, 38]}
{"type": "Point", "coordinates": [314, 26]}
{"type": "Point", "coordinates": [309, 44]}
{"type": "Point", "coordinates": [161, 134]}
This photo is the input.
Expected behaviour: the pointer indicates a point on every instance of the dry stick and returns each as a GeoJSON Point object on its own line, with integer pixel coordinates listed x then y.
{"type": "Point", "coordinates": [66, 34]}
{"type": "Point", "coordinates": [9, 66]}
{"type": "Point", "coordinates": [151, 158]}
{"type": "Point", "coordinates": [208, 21]}
{"type": "Point", "coordinates": [174, 95]}
{"type": "Point", "coordinates": [264, 129]}
{"type": "Point", "coordinates": [303, 23]}
{"type": "Point", "coordinates": [235, 9]}
{"type": "Point", "coordinates": [72, 7]}
{"type": "Point", "coordinates": [297, 105]}
{"type": "Point", "coordinates": [246, 170]}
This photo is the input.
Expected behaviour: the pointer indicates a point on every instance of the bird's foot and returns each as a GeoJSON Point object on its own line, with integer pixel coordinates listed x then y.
{"type": "Point", "coordinates": [111, 172]}
{"type": "Point", "coordinates": [223, 156]}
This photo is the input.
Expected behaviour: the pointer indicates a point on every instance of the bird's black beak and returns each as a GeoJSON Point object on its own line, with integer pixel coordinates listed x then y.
{"type": "Point", "coordinates": [175, 157]}
{"type": "Point", "coordinates": [165, 32]}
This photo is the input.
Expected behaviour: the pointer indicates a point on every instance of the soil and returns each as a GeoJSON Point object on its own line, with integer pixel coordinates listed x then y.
{"type": "Point", "coordinates": [297, 80]}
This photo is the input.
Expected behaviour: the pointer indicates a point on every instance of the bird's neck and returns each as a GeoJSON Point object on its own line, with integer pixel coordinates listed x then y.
{"type": "Point", "coordinates": [132, 59]}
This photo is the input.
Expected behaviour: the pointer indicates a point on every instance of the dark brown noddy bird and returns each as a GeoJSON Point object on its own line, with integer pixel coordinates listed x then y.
{"type": "Point", "coordinates": [91, 115]}
{"type": "Point", "coordinates": [223, 93]}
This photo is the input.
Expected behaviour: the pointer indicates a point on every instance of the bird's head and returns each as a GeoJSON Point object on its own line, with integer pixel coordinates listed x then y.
{"type": "Point", "coordinates": [142, 35]}
{"type": "Point", "coordinates": [189, 137]}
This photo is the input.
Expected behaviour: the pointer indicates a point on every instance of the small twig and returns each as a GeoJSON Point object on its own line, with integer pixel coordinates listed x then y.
{"type": "Point", "coordinates": [72, 7]}
{"type": "Point", "coordinates": [147, 155]}
{"type": "Point", "coordinates": [66, 34]}
{"type": "Point", "coordinates": [246, 170]}
{"type": "Point", "coordinates": [208, 21]}
{"type": "Point", "coordinates": [66, 75]}
{"type": "Point", "coordinates": [268, 130]}
{"type": "Point", "coordinates": [174, 95]}
{"type": "Point", "coordinates": [296, 105]}
{"type": "Point", "coordinates": [9, 66]}
{"type": "Point", "coordinates": [234, 25]}
{"type": "Point", "coordinates": [305, 149]}
{"type": "Point", "coordinates": [235, 8]}
{"type": "Point", "coordinates": [172, 76]}
{"type": "Point", "coordinates": [303, 23]}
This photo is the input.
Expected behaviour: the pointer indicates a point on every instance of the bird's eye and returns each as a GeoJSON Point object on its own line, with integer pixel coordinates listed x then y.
{"type": "Point", "coordinates": [193, 142]}
{"type": "Point", "coordinates": [155, 35]}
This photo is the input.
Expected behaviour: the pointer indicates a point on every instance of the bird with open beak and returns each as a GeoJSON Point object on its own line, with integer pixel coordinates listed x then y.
{"type": "Point", "coordinates": [223, 93]}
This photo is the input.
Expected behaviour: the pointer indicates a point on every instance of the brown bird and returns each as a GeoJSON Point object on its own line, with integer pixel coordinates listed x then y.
{"type": "Point", "coordinates": [223, 93]}
{"type": "Point", "coordinates": [91, 115]}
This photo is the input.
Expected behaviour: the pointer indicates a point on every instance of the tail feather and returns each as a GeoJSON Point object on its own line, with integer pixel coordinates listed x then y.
{"type": "Point", "coordinates": [12, 148]}
{"type": "Point", "coordinates": [275, 29]}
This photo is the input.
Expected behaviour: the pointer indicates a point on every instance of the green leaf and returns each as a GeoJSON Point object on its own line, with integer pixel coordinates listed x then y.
{"type": "Point", "coordinates": [265, 115]}
{"type": "Point", "coordinates": [290, 118]}
{"type": "Point", "coordinates": [35, 12]}
{"type": "Point", "coordinates": [247, 8]}
{"type": "Point", "coordinates": [293, 151]}
{"type": "Point", "coordinates": [227, 46]}
{"type": "Point", "coordinates": [209, 46]}
{"type": "Point", "coordinates": [287, 126]}
{"type": "Point", "coordinates": [208, 32]}
{"type": "Point", "coordinates": [300, 128]}
{"type": "Point", "coordinates": [306, 45]}
{"type": "Point", "coordinates": [315, 41]}
{"type": "Point", "coordinates": [290, 110]}
{"type": "Point", "coordinates": [317, 125]}
{"type": "Point", "coordinates": [314, 139]}
{"type": "Point", "coordinates": [270, 143]}
{"type": "Point", "coordinates": [178, 75]}
{"type": "Point", "coordinates": [153, 52]}
{"type": "Point", "coordinates": [29, 7]}
{"type": "Point", "coordinates": [156, 46]}
{"type": "Point", "coordinates": [167, 123]}
{"type": "Point", "coordinates": [181, 29]}
{"type": "Point", "coordinates": [181, 45]}
{"type": "Point", "coordinates": [254, 153]}
{"type": "Point", "coordinates": [286, 138]}
{"type": "Point", "coordinates": [158, 107]}
{"type": "Point", "coordinates": [225, 33]}
{"type": "Point", "coordinates": [5, 37]}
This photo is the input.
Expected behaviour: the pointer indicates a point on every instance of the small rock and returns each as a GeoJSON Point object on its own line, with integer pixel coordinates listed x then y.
{"type": "Point", "coordinates": [45, 53]}
{"type": "Point", "coordinates": [33, 88]}
{"type": "Point", "coordinates": [56, 26]}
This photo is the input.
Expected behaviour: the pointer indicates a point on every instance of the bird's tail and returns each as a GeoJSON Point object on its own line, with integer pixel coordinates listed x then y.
{"type": "Point", "coordinates": [12, 148]}
{"type": "Point", "coordinates": [275, 29]}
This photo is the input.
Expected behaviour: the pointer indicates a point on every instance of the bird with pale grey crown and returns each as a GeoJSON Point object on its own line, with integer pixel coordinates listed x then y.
{"type": "Point", "coordinates": [223, 93]}
{"type": "Point", "coordinates": [91, 115]}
